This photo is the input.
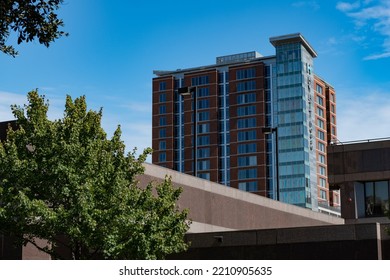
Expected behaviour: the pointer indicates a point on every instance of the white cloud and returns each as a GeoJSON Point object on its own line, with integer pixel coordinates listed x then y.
{"type": "Point", "coordinates": [373, 15]}
{"type": "Point", "coordinates": [137, 135]}
{"type": "Point", "coordinates": [310, 4]}
{"type": "Point", "coordinates": [346, 7]}
{"type": "Point", "coordinates": [6, 100]}
{"type": "Point", "coordinates": [136, 124]}
{"type": "Point", "coordinates": [332, 41]}
{"type": "Point", "coordinates": [377, 56]}
{"type": "Point", "coordinates": [56, 105]}
{"type": "Point", "coordinates": [141, 107]}
{"type": "Point", "coordinates": [366, 117]}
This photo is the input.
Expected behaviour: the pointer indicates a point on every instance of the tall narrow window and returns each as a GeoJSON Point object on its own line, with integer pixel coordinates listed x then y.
{"type": "Point", "coordinates": [163, 133]}
{"type": "Point", "coordinates": [163, 121]}
{"type": "Point", "coordinates": [163, 157]}
{"type": "Point", "coordinates": [320, 100]}
{"type": "Point", "coordinates": [163, 85]}
{"type": "Point", "coordinates": [163, 97]}
{"type": "Point", "coordinates": [162, 109]}
{"type": "Point", "coordinates": [162, 145]}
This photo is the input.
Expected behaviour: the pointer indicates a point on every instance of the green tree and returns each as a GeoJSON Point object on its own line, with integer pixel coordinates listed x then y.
{"type": "Point", "coordinates": [63, 181]}
{"type": "Point", "coordinates": [30, 19]}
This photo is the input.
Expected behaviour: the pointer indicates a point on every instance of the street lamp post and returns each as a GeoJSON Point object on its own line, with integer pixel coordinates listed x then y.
{"type": "Point", "coordinates": [188, 91]}
{"type": "Point", "coordinates": [270, 130]}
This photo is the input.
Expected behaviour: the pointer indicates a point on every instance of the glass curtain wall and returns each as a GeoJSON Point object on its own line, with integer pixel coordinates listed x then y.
{"type": "Point", "coordinates": [294, 119]}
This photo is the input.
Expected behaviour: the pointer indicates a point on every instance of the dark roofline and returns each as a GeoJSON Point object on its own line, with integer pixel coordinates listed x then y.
{"type": "Point", "coordinates": [162, 73]}
{"type": "Point", "coordinates": [3, 128]}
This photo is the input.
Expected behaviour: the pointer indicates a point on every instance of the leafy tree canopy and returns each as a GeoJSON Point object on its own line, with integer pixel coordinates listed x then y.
{"type": "Point", "coordinates": [63, 181]}
{"type": "Point", "coordinates": [30, 20]}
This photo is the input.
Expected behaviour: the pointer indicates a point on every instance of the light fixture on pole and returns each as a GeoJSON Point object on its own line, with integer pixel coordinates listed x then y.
{"type": "Point", "coordinates": [271, 130]}
{"type": "Point", "coordinates": [188, 91]}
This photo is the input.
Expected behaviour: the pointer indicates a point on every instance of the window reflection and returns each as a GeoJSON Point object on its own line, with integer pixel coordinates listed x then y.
{"type": "Point", "coordinates": [376, 198]}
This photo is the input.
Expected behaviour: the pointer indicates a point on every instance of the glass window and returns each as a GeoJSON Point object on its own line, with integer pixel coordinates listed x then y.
{"type": "Point", "coordinates": [162, 109]}
{"type": "Point", "coordinates": [369, 198]}
{"type": "Point", "coordinates": [201, 80]}
{"type": "Point", "coordinates": [319, 89]}
{"type": "Point", "coordinates": [267, 95]}
{"type": "Point", "coordinates": [202, 92]}
{"type": "Point", "coordinates": [247, 85]}
{"type": "Point", "coordinates": [162, 157]}
{"type": "Point", "coordinates": [246, 98]}
{"type": "Point", "coordinates": [322, 170]}
{"type": "Point", "coordinates": [163, 121]}
{"type": "Point", "coordinates": [163, 97]}
{"type": "Point", "coordinates": [267, 71]}
{"type": "Point", "coordinates": [246, 135]}
{"type": "Point", "coordinates": [246, 123]}
{"type": "Point", "coordinates": [321, 135]}
{"type": "Point", "coordinates": [376, 198]}
{"type": "Point", "coordinates": [220, 77]}
{"type": "Point", "coordinates": [162, 145]}
{"type": "Point", "coordinates": [246, 148]}
{"type": "Point", "coordinates": [323, 194]}
{"type": "Point", "coordinates": [321, 158]}
{"type": "Point", "coordinates": [247, 161]}
{"type": "Point", "coordinates": [321, 146]}
{"type": "Point", "coordinates": [321, 123]}
{"type": "Point", "coordinates": [248, 186]}
{"type": "Point", "coordinates": [203, 128]}
{"type": "Point", "coordinates": [163, 85]}
{"type": "Point", "coordinates": [204, 165]}
{"type": "Point", "coordinates": [203, 140]}
{"type": "Point", "coordinates": [247, 173]}
{"type": "Point", "coordinates": [203, 104]}
{"type": "Point", "coordinates": [320, 100]}
{"type": "Point", "coordinates": [203, 116]}
{"type": "Point", "coordinates": [177, 83]}
{"type": "Point", "coordinates": [245, 111]}
{"type": "Point", "coordinates": [245, 73]}
{"type": "Point", "coordinates": [163, 133]}
{"type": "Point", "coordinates": [382, 196]}
{"type": "Point", "coordinates": [320, 112]}
{"type": "Point", "coordinates": [204, 153]}
{"type": "Point", "coordinates": [267, 83]}
{"type": "Point", "coordinates": [204, 176]}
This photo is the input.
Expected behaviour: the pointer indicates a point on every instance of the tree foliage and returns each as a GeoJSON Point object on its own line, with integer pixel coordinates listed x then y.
{"type": "Point", "coordinates": [63, 181]}
{"type": "Point", "coordinates": [30, 20]}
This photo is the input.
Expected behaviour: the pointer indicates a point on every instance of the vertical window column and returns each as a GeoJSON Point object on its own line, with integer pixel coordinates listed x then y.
{"type": "Point", "coordinates": [179, 127]}
{"type": "Point", "coordinates": [224, 129]}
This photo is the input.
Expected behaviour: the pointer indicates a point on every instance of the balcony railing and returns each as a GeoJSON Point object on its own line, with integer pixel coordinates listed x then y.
{"type": "Point", "coordinates": [331, 210]}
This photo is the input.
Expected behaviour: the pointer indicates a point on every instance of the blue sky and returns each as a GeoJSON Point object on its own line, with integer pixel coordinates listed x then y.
{"type": "Point", "coordinates": [114, 46]}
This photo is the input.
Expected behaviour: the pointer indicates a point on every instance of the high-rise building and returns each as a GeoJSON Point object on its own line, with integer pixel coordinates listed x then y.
{"type": "Point", "coordinates": [249, 119]}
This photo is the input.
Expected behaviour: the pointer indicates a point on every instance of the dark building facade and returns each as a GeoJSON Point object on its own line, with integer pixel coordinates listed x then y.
{"type": "Point", "coordinates": [3, 128]}
{"type": "Point", "coordinates": [333, 242]}
{"type": "Point", "coordinates": [361, 171]}
{"type": "Point", "coordinates": [255, 123]}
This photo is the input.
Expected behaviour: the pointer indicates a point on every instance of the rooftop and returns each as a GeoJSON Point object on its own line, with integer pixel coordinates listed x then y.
{"type": "Point", "coordinates": [292, 38]}
{"type": "Point", "coordinates": [244, 57]}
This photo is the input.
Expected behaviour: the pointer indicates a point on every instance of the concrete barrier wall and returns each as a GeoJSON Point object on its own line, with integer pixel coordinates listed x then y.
{"type": "Point", "coordinates": [212, 205]}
